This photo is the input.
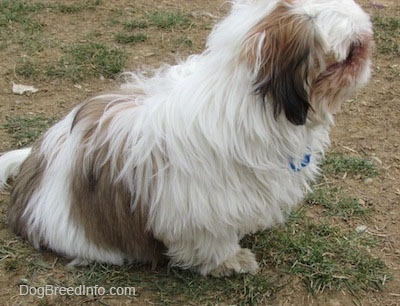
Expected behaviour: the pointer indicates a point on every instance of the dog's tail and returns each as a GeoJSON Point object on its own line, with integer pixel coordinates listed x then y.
{"type": "Point", "coordinates": [10, 164]}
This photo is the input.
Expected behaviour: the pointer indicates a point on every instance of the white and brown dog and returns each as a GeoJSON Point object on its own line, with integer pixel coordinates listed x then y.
{"type": "Point", "coordinates": [184, 163]}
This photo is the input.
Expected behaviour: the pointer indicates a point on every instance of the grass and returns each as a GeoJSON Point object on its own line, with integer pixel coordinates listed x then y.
{"type": "Point", "coordinates": [17, 11]}
{"type": "Point", "coordinates": [336, 203]}
{"type": "Point", "coordinates": [332, 199]}
{"type": "Point", "coordinates": [310, 250]}
{"type": "Point", "coordinates": [184, 41]}
{"type": "Point", "coordinates": [19, 19]}
{"type": "Point", "coordinates": [19, 22]}
{"type": "Point", "coordinates": [88, 59]}
{"type": "Point", "coordinates": [25, 129]}
{"type": "Point", "coordinates": [81, 60]}
{"type": "Point", "coordinates": [136, 24]}
{"type": "Point", "coordinates": [387, 34]}
{"type": "Point", "coordinates": [130, 38]}
{"type": "Point", "coordinates": [167, 20]}
{"type": "Point", "coordinates": [160, 19]}
{"type": "Point", "coordinates": [23, 12]}
{"type": "Point", "coordinates": [76, 7]}
{"type": "Point", "coordinates": [171, 286]}
{"type": "Point", "coordinates": [323, 256]}
{"type": "Point", "coordinates": [18, 25]}
{"type": "Point", "coordinates": [336, 163]}
{"type": "Point", "coordinates": [28, 68]}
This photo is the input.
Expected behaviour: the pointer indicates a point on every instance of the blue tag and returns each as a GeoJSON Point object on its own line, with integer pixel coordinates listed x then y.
{"type": "Point", "coordinates": [304, 163]}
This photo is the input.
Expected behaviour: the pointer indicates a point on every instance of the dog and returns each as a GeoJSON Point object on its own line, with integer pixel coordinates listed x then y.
{"type": "Point", "coordinates": [182, 162]}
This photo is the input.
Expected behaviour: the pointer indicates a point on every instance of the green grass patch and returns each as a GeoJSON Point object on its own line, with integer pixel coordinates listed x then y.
{"type": "Point", "coordinates": [166, 20]}
{"type": "Point", "coordinates": [89, 59]}
{"type": "Point", "coordinates": [172, 286]}
{"type": "Point", "coordinates": [340, 163]}
{"type": "Point", "coordinates": [75, 7]}
{"type": "Point", "coordinates": [160, 19]}
{"type": "Point", "coordinates": [323, 256]}
{"type": "Point", "coordinates": [68, 8]}
{"type": "Point", "coordinates": [25, 129]}
{"type": "Point", "coordinates": [23, 12]}
{"type": "Point", "coordinates": [17, 11]}
{"type": "Point", "coordinates": [387, 34]}
{"type": "Point", "coordinates": [19, 25]}
{"type": "Point", "coordinates": [336, 203]}
{"type": "Point", "coordinates": [123, 38]}
{"type": "Point", "coordinates": [28, 68]}
{"type": "Point", "coordinates": [136, 24]}
{"type": "Point", "coordinates": [184, 41]}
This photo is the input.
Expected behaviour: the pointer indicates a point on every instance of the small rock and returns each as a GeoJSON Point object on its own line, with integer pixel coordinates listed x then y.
{"type": "Point", "coordinates": [368, 181]}
{"type": "Point", "coordinates": [361, 229]}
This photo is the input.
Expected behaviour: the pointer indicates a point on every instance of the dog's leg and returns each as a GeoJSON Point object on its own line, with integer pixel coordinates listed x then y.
{"type": "Point", "coordinates": [209, 255]}
{"type": "Point", "coordinates": [244, 261]}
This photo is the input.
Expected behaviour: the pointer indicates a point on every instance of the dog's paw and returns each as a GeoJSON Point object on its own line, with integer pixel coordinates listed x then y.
{"type": "Point", "coordinates": [243, 262]}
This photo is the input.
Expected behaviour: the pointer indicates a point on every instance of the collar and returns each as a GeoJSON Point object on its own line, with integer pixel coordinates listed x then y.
{"type": "Point", "coordinates": [296, 167]}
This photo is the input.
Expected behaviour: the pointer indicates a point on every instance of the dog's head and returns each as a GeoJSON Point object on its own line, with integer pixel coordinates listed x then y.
{"type": "Point", "coordinates": [304, 56]}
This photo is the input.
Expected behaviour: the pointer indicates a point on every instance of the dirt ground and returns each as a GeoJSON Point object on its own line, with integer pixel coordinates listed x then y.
{"type": "Point", "coordinates": [368, 125]}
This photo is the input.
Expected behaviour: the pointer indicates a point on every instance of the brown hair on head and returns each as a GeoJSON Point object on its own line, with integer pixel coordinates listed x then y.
{"type": "Point", "coordinates": [278, 49]}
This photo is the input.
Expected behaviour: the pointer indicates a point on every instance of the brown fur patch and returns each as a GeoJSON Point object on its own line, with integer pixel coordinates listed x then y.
{"type": "Point", "coordinates": [338, 81]}
{"type": "Point", "coordinates": [26, 183]}
{"type": "Point", "coordinates": [280, 47]}
{"type": "Point", "coordinates": [102, 205]}
{"type": "Point", "coordinates": [288, 39]}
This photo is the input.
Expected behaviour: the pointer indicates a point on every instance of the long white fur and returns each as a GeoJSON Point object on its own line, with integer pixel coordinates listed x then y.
{"type": "Point", "coordinates": [223, 160]}
{"type": "Point", "coordinates": [10, 164]}
{"type": "Point", "coordinates": [49, 208]}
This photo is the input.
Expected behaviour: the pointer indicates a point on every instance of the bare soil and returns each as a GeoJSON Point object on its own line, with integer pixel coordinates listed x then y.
{"type": "Point", "coordinates": [368, 125]}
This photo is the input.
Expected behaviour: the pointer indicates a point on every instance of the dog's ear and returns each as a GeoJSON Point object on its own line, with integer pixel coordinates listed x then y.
{"type": "Point", "coordinates": [278, 51]}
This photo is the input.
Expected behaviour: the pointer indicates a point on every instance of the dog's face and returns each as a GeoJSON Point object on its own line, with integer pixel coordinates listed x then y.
{"type": "Point", "coordinates": [306, 56]}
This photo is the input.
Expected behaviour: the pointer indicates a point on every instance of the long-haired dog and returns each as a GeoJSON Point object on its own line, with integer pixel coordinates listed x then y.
{"type": "Point", "coordinates": [184, 163]}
